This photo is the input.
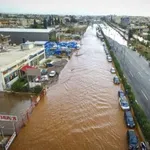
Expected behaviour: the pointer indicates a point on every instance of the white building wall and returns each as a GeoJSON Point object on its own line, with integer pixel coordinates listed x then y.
{"type": "Point", "coordinates": [1, 83]}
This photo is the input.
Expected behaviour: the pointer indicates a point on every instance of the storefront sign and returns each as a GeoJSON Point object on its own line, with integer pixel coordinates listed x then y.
{"type": "Point", "coordinates": [8, 118]}
{"type": "Point", "coordinates": [10, 141]}
{"type": "Point", "coordinates": [33, 72]}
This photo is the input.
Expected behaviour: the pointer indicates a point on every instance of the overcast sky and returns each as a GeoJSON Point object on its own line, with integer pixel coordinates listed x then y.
{"type": "Point", "coordinates": [78, 7]}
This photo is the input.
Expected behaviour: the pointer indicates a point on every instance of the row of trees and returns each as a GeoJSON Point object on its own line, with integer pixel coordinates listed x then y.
{"type": "Point", "coordinates": [52, 21]}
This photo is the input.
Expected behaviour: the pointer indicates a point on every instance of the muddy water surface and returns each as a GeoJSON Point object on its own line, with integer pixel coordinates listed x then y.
{"type": "Point", "coordinates": [81, 112]}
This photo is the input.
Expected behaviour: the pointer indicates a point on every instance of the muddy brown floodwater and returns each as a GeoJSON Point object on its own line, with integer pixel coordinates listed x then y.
{"type": "Point", "coordinates": [81, 112]}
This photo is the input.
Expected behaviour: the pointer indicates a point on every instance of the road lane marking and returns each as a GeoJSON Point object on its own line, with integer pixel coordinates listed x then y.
{"type": "Point", "coordinates": [130, 61]}
{"type": "Point", "coordinates": [144, 95]}
{"type": "Point", "coordinates": [140, 74]}
{"type": "Point", "coordinates": [147, 72]}
{"type": "Point", "coordinates": [136, 101]}
{"type": "Point", "coordinates": [131, 73]}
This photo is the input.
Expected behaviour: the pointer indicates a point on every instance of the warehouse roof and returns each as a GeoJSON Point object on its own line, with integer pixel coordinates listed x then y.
{"type": "Point", "coordinates": [15, 54]}
{"type": "Point", "coordinates": [26, 30]}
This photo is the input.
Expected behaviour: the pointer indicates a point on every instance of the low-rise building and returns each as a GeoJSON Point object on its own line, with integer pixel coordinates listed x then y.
{"type": "Point", "coordinates": [17, 35]}
{"type": "Point", "coordinates": [125, 21]}
{"type": "Point", "coordinates": [16, 57]}
{"type": "Point", "coordinates": [116, 19]}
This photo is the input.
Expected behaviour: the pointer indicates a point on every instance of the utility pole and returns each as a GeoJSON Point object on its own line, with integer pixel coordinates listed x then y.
{"type": "Point", "coordinates": [2, 134]}
{"type": "Point", "coordinates": [1, 129]}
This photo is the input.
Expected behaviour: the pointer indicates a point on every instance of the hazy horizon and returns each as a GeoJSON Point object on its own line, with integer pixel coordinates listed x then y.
{"type": "Point", "coordinates": [78, 7]}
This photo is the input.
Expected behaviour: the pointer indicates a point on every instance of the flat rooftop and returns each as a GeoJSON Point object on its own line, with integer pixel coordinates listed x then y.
{"type": "Point", "coordinates": [15, 55]}
{"type": "Point", "coordinates": [26, 30]}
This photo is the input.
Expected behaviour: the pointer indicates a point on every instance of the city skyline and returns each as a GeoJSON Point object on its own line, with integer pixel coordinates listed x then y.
{"type": "Point", "coordinates": [78, 7]}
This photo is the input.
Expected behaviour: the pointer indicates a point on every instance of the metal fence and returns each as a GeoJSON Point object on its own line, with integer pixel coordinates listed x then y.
{"type": "Point", "coordinates": [10, 127]}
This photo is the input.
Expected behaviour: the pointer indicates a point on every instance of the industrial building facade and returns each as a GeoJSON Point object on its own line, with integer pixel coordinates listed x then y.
{"type": "Point", "coordinates": [15, 58]}
{"type": "Point", "coordinates": [17, 35]}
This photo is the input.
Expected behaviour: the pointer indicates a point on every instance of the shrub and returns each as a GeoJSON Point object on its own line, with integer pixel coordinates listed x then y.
{"type": "Point", "coordinates": [18, 85]}
{"type": "Point", "coordinates": [37, 89]}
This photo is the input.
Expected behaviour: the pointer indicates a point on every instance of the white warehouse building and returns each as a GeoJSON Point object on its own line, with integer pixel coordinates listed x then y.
{"type": "Point", "coordinates": [17, 57]}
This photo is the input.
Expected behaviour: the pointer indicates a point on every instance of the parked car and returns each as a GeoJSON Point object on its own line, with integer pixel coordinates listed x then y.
{"type": "Point", "coordinates": [107, 53]}
{"type": "Point", "coordinates": [116, 80]}
{"type": "Point", "coordinates": [37, 79]}
{"type": "Point", "coordinates": [42, 78]}
{"type": "Point", "coordinates": [112, 70]}
{"type": "Point", "coordinates": [52, 73]}
{"type": "Point", "coordinates": [124, 103]}
{"type": "Point", "coordinates": [121, 93]}
{"type": "Point", "coordinates": [108, 56]}
{"type": "Point", "coordinates": [44, 71]}
{"type": "Point", "coordinates": [109, 59]}
{"type": "Point", "coordinates": [133, 142]}
{"type": "Point", "coordinates": [49, 64]}
{"type": "Point", "coordinates": [129, 119]}
{"type": "Point", "coordinates": [143, 146]}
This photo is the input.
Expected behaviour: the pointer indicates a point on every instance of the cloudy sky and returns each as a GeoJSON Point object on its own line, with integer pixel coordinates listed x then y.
{"type": "Point", "coordinates": [79, 7]}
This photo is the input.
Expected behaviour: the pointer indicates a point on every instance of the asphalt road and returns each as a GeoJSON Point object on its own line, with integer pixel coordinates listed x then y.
{"type": "Point", "coordinates": [137, 71]}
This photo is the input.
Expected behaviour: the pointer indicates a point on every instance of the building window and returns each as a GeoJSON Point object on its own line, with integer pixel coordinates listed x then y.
{"type": "Point", "coordinates": [34, 62]}
{"type": "Point", "coordinates": [11, 76]}
{"type": "Point", "coordinates": [41, 57]}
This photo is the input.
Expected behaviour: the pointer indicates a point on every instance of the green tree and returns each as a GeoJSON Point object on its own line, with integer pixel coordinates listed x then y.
{"type": "Point", "coordinates": [52, 23]}
{"type": "Point", "coordinates": [45, 23]}
{"type": "Point", "coordinates": [35, 25]}
{"type": "Point", "coordinates": [130, 34]}
{"type": "Point", "coordinates": [58, 20]}
{"type": "Point", "coordinates": [55, 21]}
{"type": "Point", "coordinates": [61, 22]}
{"type": "Point", "coordinates": [148, 37]}
{"type": "Point", "coordinates": [73, 19]}
{"type": "Point", "coordinates": [49, 21]}
{"type": "Point", "coordinates": [37, 89]}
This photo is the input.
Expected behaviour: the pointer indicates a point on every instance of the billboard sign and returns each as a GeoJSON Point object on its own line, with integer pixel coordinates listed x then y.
{"type": "Point", "coordinates": [33, 72]}
{"type": "Point", "coordinates": [8, 118]}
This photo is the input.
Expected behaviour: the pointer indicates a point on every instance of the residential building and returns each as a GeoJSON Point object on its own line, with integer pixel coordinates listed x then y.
{"type": "Point", "coordinates": [16, 57]}
{"type": "Point", "coordinates": [116, 19]}
{"type": "Point", "coordinates": [125, 21]}
{"type": "Point", "coordinates": [17, 34]}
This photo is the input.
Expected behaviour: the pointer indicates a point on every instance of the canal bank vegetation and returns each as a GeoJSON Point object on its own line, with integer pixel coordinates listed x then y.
{"type": "Point", "coordinates": [140, 116]}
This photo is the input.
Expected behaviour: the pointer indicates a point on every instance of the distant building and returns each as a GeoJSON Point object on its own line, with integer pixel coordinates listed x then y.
{"type": "Point", "coordinates": [108, 18]}
{"type": "Point", "coordinates": [116, 19]}
{"type": "Point", "coordinates": [66, 20]}
{"type": "Point", "coordinates": [125, 21]}
{"type": "Point", "coordinates": [17, 35]}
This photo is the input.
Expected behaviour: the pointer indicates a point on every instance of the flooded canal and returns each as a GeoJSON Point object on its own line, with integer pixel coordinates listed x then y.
{"type": "Point", "coordinates": [81, 112]}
